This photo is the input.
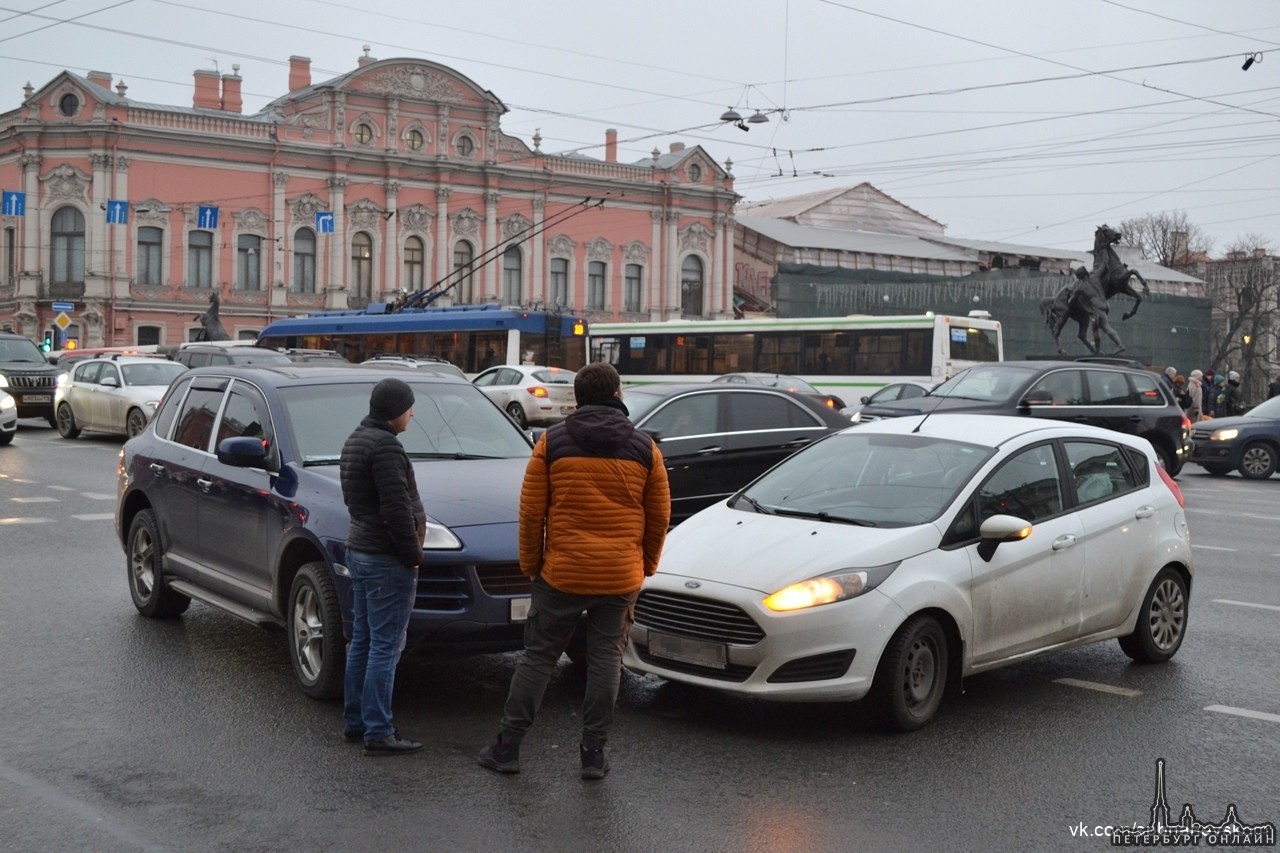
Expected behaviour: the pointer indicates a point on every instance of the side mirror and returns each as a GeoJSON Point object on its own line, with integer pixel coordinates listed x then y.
{"type": "Point", "coordinates": [865, 400]}
{"type": "Point", "coordinates": [244, 452]}
{"type": "Point", "coordinates": [998, 529]}
{"type": "Point", "coordinates": [110, 382]}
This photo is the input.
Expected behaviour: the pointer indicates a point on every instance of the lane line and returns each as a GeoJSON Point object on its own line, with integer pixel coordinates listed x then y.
{"type": "Point", "coordinates": [25, 520]}
{"type": "Point", "coordinates": [62, 488]}
{"type": "Point", "coordinates": [39, 500]}
{"type": "Point", "coordinates": [95, 516]}
{"type": "Point", "coordinates": [1245, 604]}
{"type": "Point", "coordinates": [97, 496]}
{"type": "Point", "coordinates": [1244, 712]}
{"type": "Point", "coordinates": [1214, 548]}
{"type": "Point", "coordinates": [1101, 688]}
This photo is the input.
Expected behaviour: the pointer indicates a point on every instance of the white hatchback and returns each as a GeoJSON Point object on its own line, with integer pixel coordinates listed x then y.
{"type": "Point", "coordinates": [529, 393]}
{"type": "Point", "coordinates": [112, 394]}
{"type": "Point", "coordinates": [892, 559]}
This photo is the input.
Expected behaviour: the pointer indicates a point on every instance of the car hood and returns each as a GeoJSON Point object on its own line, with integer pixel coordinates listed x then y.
{"type": "Point", "coordinates": [768, 552]}
{"type": "Point", "coordinates": [463, 492]}
{"type": "Point", "coordinates": [1240, 422]}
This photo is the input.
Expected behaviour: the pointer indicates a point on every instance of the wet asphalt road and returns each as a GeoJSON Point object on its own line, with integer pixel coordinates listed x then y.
{"type": "Point", "coordinates": [129, 734]}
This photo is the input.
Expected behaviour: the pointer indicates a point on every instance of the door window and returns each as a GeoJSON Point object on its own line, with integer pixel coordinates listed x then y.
{"type": "Point", "coordinates": [1098, 471]}
{"type": "Point", "coordinates": [1026, 486]}
{"type": "Point", "coordinates": [692, 415]}
{"type": "Point", "coordinates": [1110, 388]}
{"type": "Point", "coordinates": [195, 421]}
{"type": "Point", "coordinates": [245, 416]}
{"type": "Point", "coordinates": [758, 412]}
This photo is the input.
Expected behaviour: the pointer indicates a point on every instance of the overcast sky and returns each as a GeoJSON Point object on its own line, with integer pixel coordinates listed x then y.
{"type": "Point", "coordinates": [1028, 121]}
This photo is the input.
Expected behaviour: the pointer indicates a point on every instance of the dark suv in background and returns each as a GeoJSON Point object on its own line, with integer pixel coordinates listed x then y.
{"type": "Point", "coordinates": [1116, 397]}
{"type": "Point", "coordinates": [28, 377]}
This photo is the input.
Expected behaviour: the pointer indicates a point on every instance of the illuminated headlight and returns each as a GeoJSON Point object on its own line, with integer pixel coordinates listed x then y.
{"type": "Point", "coordinates": [7, 403]}
{"type": "Point", "coordinates": [63, 380]}
{"type": "Point", "coordinates": [837, 586]}
{"type": "Point", "coordinates": [440, 538]}
{"type": "Point", "coordinates": [857, 417]}
{"type": "Point", "coordinates": [4, 383]}
{"type": "Point", "coordinates": [1224, 434]}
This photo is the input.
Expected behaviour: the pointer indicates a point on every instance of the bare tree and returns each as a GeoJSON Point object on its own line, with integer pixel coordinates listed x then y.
{"type": "Point", "coordinates": [1169, 238]}
{"type": "Point", "coordinates": [1244, 288]}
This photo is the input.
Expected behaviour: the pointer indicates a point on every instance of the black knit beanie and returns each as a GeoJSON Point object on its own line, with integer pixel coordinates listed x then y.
{"type": "Point", "coordinates": [390, 399]}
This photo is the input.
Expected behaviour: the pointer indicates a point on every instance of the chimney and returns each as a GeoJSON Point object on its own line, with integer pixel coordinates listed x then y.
{"type": "Point", "coordinates": [365, 59]}
{"type": "Point", "coordinates": [611, 146]}
{"type": "Point", "coordinates": [231, 100]}
{"type": "Point", "coordinates": [677, 147]}
{"type": "Point", "coordinates": [100, 78]}
{"type": "Point", "coordinates": [207, 95]}
{"type": "Point", "coordinates": [299, 72]}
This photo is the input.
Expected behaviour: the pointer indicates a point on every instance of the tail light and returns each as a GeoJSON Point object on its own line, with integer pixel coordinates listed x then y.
{"type": "Point", "coordinates": [1173, 487]}
{"type": "Point", "coordinates": [537, 391]}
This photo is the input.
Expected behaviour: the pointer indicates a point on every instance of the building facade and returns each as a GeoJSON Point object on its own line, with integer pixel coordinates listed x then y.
{"type": "Point", "coordinates": [389, 180]}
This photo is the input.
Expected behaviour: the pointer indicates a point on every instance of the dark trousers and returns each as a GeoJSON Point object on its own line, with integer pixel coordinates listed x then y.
{"type": "Point", "coordinates": [553, 616]}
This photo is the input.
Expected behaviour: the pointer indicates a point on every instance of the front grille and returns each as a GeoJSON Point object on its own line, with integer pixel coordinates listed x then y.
{"type": "Point", "coordinates": [1201, 433]}
{"type": "Point", "coordinates": [442, 588]}
{"type": "Point", "coordinates": [503, 579]}
{"type": "Point", "coordinates": [697, 618]}
{"type": "Point", "coordinates": [823, 667]}
{"type": "Point", "coordinates": [733, 672]}
{"type": "Point", "coordinates": [38, 381]}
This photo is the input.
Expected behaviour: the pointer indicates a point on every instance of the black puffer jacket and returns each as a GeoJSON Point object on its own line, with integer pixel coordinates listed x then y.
{"type": "Point", "coordinates": [381, 493]}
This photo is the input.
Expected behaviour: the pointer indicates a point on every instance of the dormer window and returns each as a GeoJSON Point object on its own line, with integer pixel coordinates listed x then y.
{"type": "Point", "coordinates": [69, 105]}
{"type": "Point", "coordinates": [363, 134]}
{"type": "Point", "coordinates": [695, 173]}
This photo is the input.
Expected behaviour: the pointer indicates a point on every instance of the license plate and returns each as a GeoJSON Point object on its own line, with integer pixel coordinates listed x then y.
{"type": "Point", "coordinates": [519, 609]}
{"type": "Point", "coordinates": [697, 652]}
{"type": "Point", "coordinates": [567, 410]}
{"type": "Point", "coordinates": [37, 398]}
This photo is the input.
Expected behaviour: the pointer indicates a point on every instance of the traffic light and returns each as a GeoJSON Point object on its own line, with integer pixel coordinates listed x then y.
{"type": "Point", "coordinates": [47, 344]}
{"type": "Point", "coordinates": [72, 343]}
{"type": "Point", "coordinates": [579, 328]}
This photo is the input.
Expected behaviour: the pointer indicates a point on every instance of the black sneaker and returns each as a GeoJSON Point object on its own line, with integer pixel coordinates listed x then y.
{"type": "Point", "coordinates": [594, 764]}
{"type": "Point", "coordinates": [501, 756]}
{"type": "Point", "coordinates": [392, 744]}
{"type": "Point", "coordinates": [353, 735]}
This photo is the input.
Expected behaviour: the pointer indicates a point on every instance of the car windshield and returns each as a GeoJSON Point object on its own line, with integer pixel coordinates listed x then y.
{"type": "Point", "coordinates": [868, 478]}
{"type": "Point", "coordinates": [986, 383]}
{"type": "Point", "coordinates": [1267, 409]}
{"type": "Point", "coordinates": [450, 421]}
{"type": "Point", "coordinates": [15, 350]}
{"type": "Point", "coordinates": [152, 373]}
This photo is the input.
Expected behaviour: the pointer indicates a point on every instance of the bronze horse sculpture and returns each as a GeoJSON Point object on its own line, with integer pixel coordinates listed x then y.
{"type": "Point", "coordinates": [1086, 301]}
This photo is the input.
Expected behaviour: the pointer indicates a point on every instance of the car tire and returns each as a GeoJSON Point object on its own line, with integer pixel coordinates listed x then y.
{"type": "Point", "coordinates": [134, 422]}
{"type": "Point", "coordinates": [1162, 621]}
{"type": "Point", "coordinates": [7, 437]}
{"type": "Point", "coordinates": [1216, 469]}
{"type": "Point", "coordinates": [1258, 461]}
{"type": "Point", "coordinates": [145, 560]}
{"type": "Point", "coordinates": [317, 647]}
{"type": "Point", "coordinates": [912, 675]}
{"type": "Point", "coordinates": [516, 411]}
{"type": "Point", "coordinates": [65, 421]}
{"type": "Point", "coordinates": [52, 419]}
{"type": "Point", "coordinates": [1172, 464]}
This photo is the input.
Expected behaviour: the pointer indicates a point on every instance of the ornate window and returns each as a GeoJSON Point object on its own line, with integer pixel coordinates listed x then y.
{"type": "Point", "coordinates": [362, 266]}
{"type": "Point", "coordinates": [68, 105]}
{"type": "Point", "coordinates": [304, 261]}
{"type": "Point", "coordinates": [466, 146]}
{"type": "Point", "coordinates": [200, 259]}
{"type": "Point", "coordinates": [249, 262]}
{"type": "Point", "coordinates": [415, 140]}
{"type": "Point", "coordinates": [363, 134]}
{"type": "Point", "coordinates": [66, 254]}
{"type": "Point", "coordinates": [146, 262]}
{"type": "Point", "coordinates": [631, 279]}
{"type": "Point", "coordinates": [595, 285]}
{"type": "Point", "coordinates": [463, 274]}
{"type": "Point", "coordinates": [695, 172]}
{"type": "Point", "coordinates": [559, 294]}
{"type": "Point", "coordinates": [691, 286]}
{"type": "Point", "coordinates": [512, 275]}
{"type": "Point", "coordinates": [414, 264]}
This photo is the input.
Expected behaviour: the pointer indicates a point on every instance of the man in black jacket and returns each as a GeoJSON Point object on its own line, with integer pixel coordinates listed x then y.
{"type": "Point", "coordinates": [384, 547]}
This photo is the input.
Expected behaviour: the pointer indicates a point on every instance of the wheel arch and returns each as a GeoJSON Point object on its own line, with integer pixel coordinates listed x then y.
{"type": "Point", "coordinates": [955, 644]}
{"type": "Point", "coordinates": [134, 502]}
{"type": "Point", "coordinates": [296, 553]}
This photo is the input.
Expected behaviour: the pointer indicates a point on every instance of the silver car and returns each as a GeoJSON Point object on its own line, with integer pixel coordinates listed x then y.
{"type": "Point", "coordinates": [530, 394]}
{"type": "Point", "coordinates": [8, 417]}
{"type": "Point", "coordinates": [113, 394]}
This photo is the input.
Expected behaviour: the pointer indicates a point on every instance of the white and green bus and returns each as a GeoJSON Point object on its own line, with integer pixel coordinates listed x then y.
{"type": "Point", "coordinates": [849, 357]}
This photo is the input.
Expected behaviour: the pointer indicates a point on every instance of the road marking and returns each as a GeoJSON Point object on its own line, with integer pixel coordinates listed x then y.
{"type": "Point", "coordinates": [95, 496]}
{"type": "Point", "coordinates": [62, 488]}
{"type": "Point", "coordinates": [1213, 548]}
{"type": "Point", "coordinates": [95, 516]}
{"type": "Point", "coordinates": [40, 500]}
{"type": "Point", "coordinates": [25, 520]}
{"type": "Point", "coordinates": [1101, 688]}
{"type": "Point", "coordinates": [1244, 712]}
{"type": "Point", "coordinates": [1245, 604]}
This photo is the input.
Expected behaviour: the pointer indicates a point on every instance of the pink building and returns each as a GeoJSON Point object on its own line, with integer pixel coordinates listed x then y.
{"type": "Point", "coordinates": [390, 179]}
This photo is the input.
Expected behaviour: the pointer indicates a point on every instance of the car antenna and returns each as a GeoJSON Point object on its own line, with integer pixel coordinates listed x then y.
{"type": "Point", "coordinates": [941, 397]}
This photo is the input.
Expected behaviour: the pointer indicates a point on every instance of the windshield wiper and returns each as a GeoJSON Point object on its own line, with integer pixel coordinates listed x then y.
{"type": "Point", "coordinates": [423, 454]}
{"type": "Point", "coordinates": [756, 505]}
{"type": "Point", "coordinates": [823, 515]}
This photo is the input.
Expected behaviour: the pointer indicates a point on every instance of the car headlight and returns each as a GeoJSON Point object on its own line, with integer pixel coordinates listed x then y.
{"type": "Point", "coordinates": [837, 586]}
{"type": "Point", "coordinates": [1225, 434]}
{"type": "Point", "coordinates": [857, 417]}
{"type": "Point", "coordinates": [7, 402]}
{"type": "Point", "coordinates": [4, 383]}
{"type": "Point", "coordinates": [440, 538]}
{"type": "Point", "coordinates": [63, 380]}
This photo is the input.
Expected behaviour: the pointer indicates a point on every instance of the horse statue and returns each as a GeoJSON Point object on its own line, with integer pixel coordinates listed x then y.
{"type": "Point", "coordinates": [210, 325]}
{"type": "Point", "coordinates": [1087, 300]}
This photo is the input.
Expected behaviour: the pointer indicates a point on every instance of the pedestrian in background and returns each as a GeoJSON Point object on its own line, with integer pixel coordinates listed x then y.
{"type": "Point", "coordinates": [1232, 400]}
{"type": "Point", "coordinates": [1170, 374]}
{"type": "Point", "coordinates": [1180, 392]}
{"type": "Point", "coordinates": [594, 510]}
{"type": "Point", "coordinates": [1273, 390]}
{"type": "Point", "coordinates": [384, 547]}
{"type": "Point", "coordinates": [1195, 396]}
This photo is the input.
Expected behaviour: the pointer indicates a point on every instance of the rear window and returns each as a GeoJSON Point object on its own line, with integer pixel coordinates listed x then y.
{"type": "Point", "coordinates": [1149, 391]}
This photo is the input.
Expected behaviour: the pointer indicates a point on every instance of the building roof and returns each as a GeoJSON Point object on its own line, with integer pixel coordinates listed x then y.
{"type": "Point", "coordinates": [797, 205]}
{"type": "Point", "coordinates": [866, 242]}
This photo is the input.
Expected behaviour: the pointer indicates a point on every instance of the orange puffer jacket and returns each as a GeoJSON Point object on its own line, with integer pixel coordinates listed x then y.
{"type": "Point", "coordinates": [594, 506]}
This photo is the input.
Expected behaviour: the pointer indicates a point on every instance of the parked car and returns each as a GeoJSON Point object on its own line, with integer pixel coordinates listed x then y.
{"type": "Point", "coordinates": [794, 384]}
{"type": "Point", "coordinates": [1248, 443]}
{"type": "Point", "coordinates": [232, 497]}
{"type": "Point", "coordinates": [530, 394]}
{"type": "Point", "coordinates": [310, 355]}
{"type": "Point", "coordinates": [215, 353]}
{"type": "Point", "coordinates": [27, 376]}
{"type": "Point", "coordinates": [891, 560]}
{"type": "Point", "coordinates": [890, 392]}
{"type": "Point", "coordinates": [716, 438]}
{"type": "Point", "coordinates": [417, 362]}
{"type": "Point", "coordinates": [1125, 399]}
{"type": "Point", "coordinates": [112, 393]}
{"type": "Point", "coordinates": [8, 418]}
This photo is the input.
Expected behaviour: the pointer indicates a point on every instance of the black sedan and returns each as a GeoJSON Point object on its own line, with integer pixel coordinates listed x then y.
{"type": "Point", "coordinates": [1248, 443]}
{"type": "Point", "coordinates": [717, 438]}
{"type": "Point", "coordinates": [794, 384]}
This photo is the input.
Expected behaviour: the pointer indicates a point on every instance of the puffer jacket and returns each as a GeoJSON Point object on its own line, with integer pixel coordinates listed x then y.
{"type": "Point", "coordinates": [595, 505]}
{"type": "Point", "coordinates": [381, 493]}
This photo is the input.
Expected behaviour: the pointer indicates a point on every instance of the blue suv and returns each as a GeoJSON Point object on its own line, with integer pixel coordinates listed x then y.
{"type": "Point", "coordinates": [231, 497]}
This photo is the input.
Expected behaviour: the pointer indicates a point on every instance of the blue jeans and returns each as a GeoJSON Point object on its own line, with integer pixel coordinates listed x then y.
{"type": "Point", "coordinates": [553, 617]}
{"type": "Point", "coordinates": [382, 593]}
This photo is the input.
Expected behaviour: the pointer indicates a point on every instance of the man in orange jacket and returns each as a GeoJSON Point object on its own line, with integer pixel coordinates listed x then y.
{"type": "Point", "coordinates": [594, 510]}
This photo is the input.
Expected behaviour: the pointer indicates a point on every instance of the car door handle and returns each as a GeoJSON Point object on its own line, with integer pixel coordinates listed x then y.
{"type": "Point", "coordinates": [1145, 512]}
{"type": "Point", "coordinates": [205, 485]}
{"type": "Point", "coordinates": [1064, 542]}
{"type": "Point", "coordinates": [156, 468]}
{"type": "Point", "coordinates": [797, 442]}
{"type": "Point", "coordinates": [707, 450]}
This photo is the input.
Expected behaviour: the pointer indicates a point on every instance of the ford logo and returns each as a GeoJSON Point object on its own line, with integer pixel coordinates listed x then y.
{"type": "Point", "coordinates": [692, 584]}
